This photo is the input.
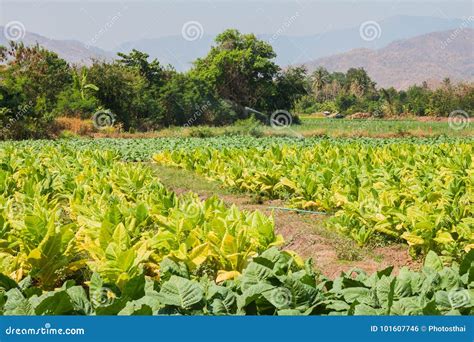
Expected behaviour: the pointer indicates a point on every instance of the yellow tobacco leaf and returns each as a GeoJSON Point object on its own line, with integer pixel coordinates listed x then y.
{"type": "Point", "coordinates": [226, 275]}
{"type": "Point", "coordinates": [443, 237]}
{"type": "Point", "coordinates": [412, 239]}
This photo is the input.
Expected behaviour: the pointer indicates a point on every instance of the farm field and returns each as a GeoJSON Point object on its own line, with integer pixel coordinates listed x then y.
{"type": "Point", "coordinates": [421, 193]}
{"type": "Point", "coordinates": [99, 226]}
{"type": "Point", "coordinates": [201, 159]}
{"type": "Point", "coordinates": [310, 126]}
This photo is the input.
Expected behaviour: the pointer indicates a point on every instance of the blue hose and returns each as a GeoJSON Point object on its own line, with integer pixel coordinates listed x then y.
{"type": "Point", "coordinates": [300, 210]}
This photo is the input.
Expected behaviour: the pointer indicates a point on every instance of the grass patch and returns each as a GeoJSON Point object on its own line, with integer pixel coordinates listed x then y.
{"type": "Point", "coordinates": [309, 127]}
{"type": "Point", "coordinates": [181, 180]}
{"type": "Point", "coordinates": [345, 247]}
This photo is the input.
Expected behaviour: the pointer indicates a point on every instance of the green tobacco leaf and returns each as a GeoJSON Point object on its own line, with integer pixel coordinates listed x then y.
{"type": "Point", "coordinates": [252, 293]}
{"type": "Point", "coordinates": [365, 310]}
{"type": "Point", "coordinates": [407, 306]}
{"type": "Point", "coordinates": [134, 288]}
{"type": "Point", "coordinates": [254, 274]}
{"type": "Point", "coordinates": [16, 304]}
{"type": "Point", "coordinates": [170, 267]}
{"type": "Point", "coordinates": [360, 294]}
{"type": "Point", "coordinates": [442, 299]}
{"type": "Point", "coordinates": [136, 309]}
{"type": "Point", "coordinates": [7, 283]}
{"type": "Point", "coordinates": [225, 306]}
{"type": "Point", "coordinates": [79, 300]}
{"type": "Point", "coordinates": [181, 292]}
{"type": "Point", "coordinates": [433, 261]}
{"type": "Point", "coordinates": [54, 303]}
{"type": "Point", "coordinates": [467, 266]}
{"type": "Point", "coordinates": [385, 272]}
{"type": "Point", "coordinates": [113, 308]}
{"type": "Point", "coordinates": [430, 309]}
{"type": "Point", "coordinates": [289, 312]}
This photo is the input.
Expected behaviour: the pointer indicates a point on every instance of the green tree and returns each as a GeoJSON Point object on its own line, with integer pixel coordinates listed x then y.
{"type": "Point", "coordinates": [417, 100]}
{"type": "Point", "coordinates": [79, 98]}
{"type": "Point", "coordinates": [240, 68]}
{"type": "Point", "coordinates": [359, 82]}
{"type": "Point", "coordinates": [126, 93]}
{"type": "Point", "coordinates": [152, 71]}
{"type": "Point", "coordinates": [319, 79]}
{"type": "Point", "coordinates": [289, 88]}
{"type": "Point", "coordinates": [391, 102]}
{"type": "Point", "coordinates": [30, 80]}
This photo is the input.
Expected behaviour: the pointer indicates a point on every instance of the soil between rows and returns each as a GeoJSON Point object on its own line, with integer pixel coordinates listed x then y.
{"type": "Point", "coordinates": [305, 234]}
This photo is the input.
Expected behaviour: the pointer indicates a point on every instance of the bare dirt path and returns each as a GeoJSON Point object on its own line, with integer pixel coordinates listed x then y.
{"type": "Point", "coordinates": [305, 234]}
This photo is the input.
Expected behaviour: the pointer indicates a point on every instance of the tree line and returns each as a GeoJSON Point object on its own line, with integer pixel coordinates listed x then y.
{"type": "Point", "coordinates": [355, 92]}
{"type": "Point", "coordinates": [36, 86]}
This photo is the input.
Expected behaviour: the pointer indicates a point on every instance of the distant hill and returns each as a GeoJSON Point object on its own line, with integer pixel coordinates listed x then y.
{"type": "Point", "coordinates": [430, 57]}
{"type": "Point", "coordinates": [295, 49]}
{"type": "Point", "coordinates": [71, 50]}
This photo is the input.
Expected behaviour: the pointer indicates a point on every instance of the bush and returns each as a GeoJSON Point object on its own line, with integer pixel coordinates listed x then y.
{"type": "Point", "coordinates": [201, 132]}
{"type": "Point", "coordinates": [250, 126]}
{"type": "Point", "coordinates": [75, 125]}
{"type": "Point", "coordinates": [70, 103]}
{"type": "Point", "coordinates": [306, 105]}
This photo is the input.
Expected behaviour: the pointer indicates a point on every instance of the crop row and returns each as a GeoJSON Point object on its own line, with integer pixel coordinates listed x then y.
{"type": "Point", "coordinates": [272, 284]}
{"type": "Point", "coordinates": [144, 149]}
{"type": "Point", "coordinates": [66, 214]}
{"type": "Point", "coordinates": [83, 232]}
{"type": "Point", "coordinates": [419, 193]}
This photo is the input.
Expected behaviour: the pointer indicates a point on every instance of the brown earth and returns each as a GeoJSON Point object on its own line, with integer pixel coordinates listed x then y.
{"type": "Point", "coordinates": [306, 235]}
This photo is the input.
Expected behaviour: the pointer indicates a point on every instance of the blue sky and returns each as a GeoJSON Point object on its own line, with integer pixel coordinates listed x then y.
{"type": "Point", "coordinates": [132, 20]}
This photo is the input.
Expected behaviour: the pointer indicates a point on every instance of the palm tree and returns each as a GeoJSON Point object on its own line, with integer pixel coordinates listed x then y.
{"type": "Point", "coordinates": [320, 78]}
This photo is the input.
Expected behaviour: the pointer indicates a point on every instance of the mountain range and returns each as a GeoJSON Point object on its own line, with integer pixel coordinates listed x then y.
{"type": "Point", "coordinates": [73, 51]}
{"type": "Point", "coordinates": [297, 49]}
{"type": "Point", "coordinates": [404, 50]}
{"type": "Point", "coordinates": [430, 57]}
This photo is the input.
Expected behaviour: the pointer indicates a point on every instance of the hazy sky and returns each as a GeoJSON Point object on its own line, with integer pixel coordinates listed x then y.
{"type": "Point", "coordinates": [121, 21]}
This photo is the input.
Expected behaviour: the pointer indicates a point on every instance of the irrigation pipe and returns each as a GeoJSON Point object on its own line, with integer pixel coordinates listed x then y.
{"type": "Point", "coordinates": [300, 210]}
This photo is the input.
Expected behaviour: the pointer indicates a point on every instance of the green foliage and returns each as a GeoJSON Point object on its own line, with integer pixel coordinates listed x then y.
{"type": "Point", "coordinates": [126, 93]}
{"type": "Point", "coordinates": [78, 100]}
{"type": "Point", "coordinates": [36, 86]}
{"type": "Point", "coordinates": [289, 87]}
{"type": "Point", "coordinates": [152, 71]}
{"type": "Point", "coordinates": [81, 232]}
{"type": "Point", "coordinates": [418, 193]}
{"type": "Point", "coordinates": [201, 132]}
{"type": "Point", "coordinates": [354, 92]}
{"type": "Point", "coordinates": [30, 82]}
{"type": "Point", "coordinates": [241, 69]}
{"type": "Point", "coordinates": [64, 213]}
{"type": "Point", "coordinates": [187, 101]}
{"type": "Point", "coordinates": [250, 126]}
{"type": "Point", "coordinates": [274, 283]}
